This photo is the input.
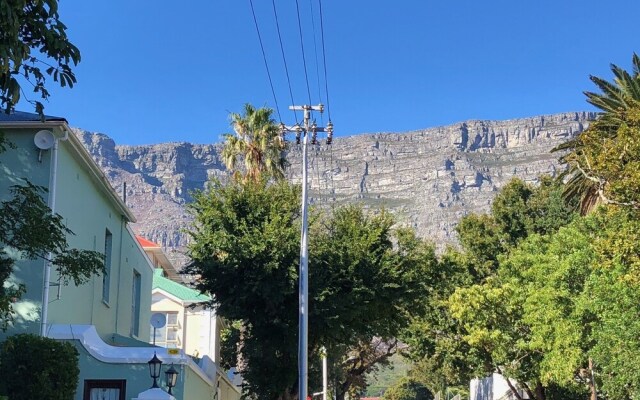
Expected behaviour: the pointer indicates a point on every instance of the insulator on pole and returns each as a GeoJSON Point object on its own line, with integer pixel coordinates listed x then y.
{"type": "Point", "coordinates": [329, 130]}
{"type": "Point", "coordinates": [314, 134]}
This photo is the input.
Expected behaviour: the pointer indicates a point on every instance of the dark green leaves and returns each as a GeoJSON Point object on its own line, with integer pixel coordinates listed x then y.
{"type": "Point", "coordinates": [246, 251]}
{"type": "Point", "coordinates": [33, 27]}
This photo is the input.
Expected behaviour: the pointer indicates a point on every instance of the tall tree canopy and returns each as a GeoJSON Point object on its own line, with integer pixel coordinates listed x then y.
{"type": "Point", "coordinates": [258, 141]}
{"type": "Point", "coordinates": [472, 323]}
{"type": "Point", "coordinates": [33, 46]}
{"type": "Point", "coordinates": [246, 252]}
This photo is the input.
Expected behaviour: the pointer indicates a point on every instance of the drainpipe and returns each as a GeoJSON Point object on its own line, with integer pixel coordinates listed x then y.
{"type": "Point", "coordinates": [122, 223]}
{"type": "Point", "coordinates": [53, 184]}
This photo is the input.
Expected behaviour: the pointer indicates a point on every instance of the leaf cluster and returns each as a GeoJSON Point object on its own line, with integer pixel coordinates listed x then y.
{"type": "Point", "coordinates": [408, 389]}
{"type": "Point", "coordinates": [35, 367]}
{"type": "Point", "coordinates": [603, 160]}
{"type": "Point", "coordinates": [259, 142]}
{"type": "Point", "coordinates": [34, 46]}
{"type": "Point", "coordinates": [365, 280]}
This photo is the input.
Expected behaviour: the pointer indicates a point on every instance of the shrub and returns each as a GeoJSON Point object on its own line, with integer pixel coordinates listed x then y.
{"type": "Point", "coordinates": [34, 367]}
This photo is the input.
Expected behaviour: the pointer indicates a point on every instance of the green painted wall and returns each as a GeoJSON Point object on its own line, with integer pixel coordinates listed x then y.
{"type": "Point", "coordinates": [136, 375]}
{"type": "Point", "coordinates": [88, 212]}
{"type": "Point", "coordinates": [190, 385]}
{"type": "Point", "coordinates": [16, 165]}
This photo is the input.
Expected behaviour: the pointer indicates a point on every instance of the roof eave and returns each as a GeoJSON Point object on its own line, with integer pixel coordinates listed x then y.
{"type": "Point", "coordinates": [97, 173]}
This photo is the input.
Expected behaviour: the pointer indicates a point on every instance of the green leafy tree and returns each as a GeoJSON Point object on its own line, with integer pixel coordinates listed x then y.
{"type": "Point", "coordinates": [472, 325]}
{"type": "Point", "coordinates": [408, 389]}
{"type": "Point", "coordinates": [611, 297]}
{"type": "Point", "coordinates": [258, 141]}
{"type": "Point", "coordinates": [34, 46]}
{"type": "Point", "coordinates": [245, 250]}
{"type": "Point", "coordinates": [35, 367]}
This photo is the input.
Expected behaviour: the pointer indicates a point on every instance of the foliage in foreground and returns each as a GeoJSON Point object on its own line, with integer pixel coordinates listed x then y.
{"type": "Point", "coordinates": [34, 367]}
{"type": "Point", "coordinates": [34, 45]}
{"type": "Point", "coordinates": [246, 251]}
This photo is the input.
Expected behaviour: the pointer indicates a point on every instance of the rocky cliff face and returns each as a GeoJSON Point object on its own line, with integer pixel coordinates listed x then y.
{"type": "Point", "coordinates": [429, 178]}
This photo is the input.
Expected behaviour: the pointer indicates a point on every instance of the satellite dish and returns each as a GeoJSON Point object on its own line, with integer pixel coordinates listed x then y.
{"type": "Point", "coordinates": [44, 140]}
{"type": "Point", "coordinates": [158, 320]}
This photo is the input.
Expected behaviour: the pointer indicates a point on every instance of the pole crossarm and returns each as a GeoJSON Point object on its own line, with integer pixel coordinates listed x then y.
{"type": "Point", "coordinates": [306, 128]}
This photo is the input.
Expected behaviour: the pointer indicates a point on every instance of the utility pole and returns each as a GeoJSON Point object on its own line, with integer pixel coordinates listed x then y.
{"type": "Point", "coordinates": [303, 291]}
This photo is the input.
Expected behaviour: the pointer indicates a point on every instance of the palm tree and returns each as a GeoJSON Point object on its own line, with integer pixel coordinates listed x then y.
{"type": "Point", "coordinates": [258, 141]}
{"type": "Point", "coordinates": [617, 101]}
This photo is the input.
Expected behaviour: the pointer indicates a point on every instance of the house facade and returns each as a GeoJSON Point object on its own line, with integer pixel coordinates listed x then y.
{"type": "Point", "coordinates": [107, 318]}
{"type": "Point", "coordinates": [190, 325]}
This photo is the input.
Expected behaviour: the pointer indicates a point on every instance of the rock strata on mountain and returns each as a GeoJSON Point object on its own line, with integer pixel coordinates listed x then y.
{"type": "Point", "coordinates": [429, 178]}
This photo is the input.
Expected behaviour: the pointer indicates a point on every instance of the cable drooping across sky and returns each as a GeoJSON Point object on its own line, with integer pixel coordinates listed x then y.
{"type": "Point", "coordinates": [324, 61]}
{"type": "Point", "coordinates": [304, 60]}
{"type": "Point", "coordinates": [284, 59]}
{"type": "Point", "coordinates": [264, 57]}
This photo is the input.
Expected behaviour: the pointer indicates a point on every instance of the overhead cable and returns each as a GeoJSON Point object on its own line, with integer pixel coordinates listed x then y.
{"type": "Point", "coordinates": [264, 57]}
{"type": "Point", "coordinates": [324, 61]}
{"type": "Point", "coordinates": [284, 59]}
{"type": "Point", "coordinates": [304, 61]}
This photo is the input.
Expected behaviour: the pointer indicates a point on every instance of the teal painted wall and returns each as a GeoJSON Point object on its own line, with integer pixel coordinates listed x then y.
{"type": "Point", "coordinates": [16, 165]}
{"type": "Point", "coordinates": [136, 375]}
{"type": "Point", "coordinates": [88, 212]}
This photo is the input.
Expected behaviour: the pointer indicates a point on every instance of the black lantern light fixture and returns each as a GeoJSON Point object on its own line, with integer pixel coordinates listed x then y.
{"type": "Point", "coordinates": [172, 378]}
{"type": "Point", "coordinates": [155, 365]}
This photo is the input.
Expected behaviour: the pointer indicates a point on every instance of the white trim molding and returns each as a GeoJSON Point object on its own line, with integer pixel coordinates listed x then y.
{"type": "Point", "coordinates": [93, 343]}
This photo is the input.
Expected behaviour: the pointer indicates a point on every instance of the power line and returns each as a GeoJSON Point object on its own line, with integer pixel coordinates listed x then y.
{"type": "Point", "coordinates": [324, 61]}
{"type": "Point", "coordinates": [264, 57]}
{"type": "Point", "coordinates": [304, 61]}
{"type": "Point", "coordinates": [315, 52]}
{"type": "Point", "coordinates": [284, 59]}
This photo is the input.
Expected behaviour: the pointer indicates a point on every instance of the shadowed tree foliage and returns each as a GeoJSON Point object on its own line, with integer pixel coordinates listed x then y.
{"type": "Point", "coordinates": [258, 142]}
{"type": "Point", "coordinates": [34, 46]}
{"type": "Point", "coordinates": [35, 367]}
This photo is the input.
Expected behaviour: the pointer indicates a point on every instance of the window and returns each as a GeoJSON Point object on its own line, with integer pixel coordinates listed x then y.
{"type": "Point", "coordinates": [104, 389]}
{"type": "Point", "coordinates": [135, 306]}
{"type": "Point", "coordinates": [172, 319]}
{"type": "Point", "coordinates": [169, 335]}
{"type": "Point", "coordinates": [106, 278]}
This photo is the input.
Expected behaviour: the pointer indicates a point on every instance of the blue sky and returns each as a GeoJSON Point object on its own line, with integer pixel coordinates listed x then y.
{"type": "Point", "coordinates": [172, 71]}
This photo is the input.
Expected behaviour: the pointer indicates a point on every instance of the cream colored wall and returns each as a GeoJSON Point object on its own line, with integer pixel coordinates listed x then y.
{"type": "Point", "coordinates": [201, 333]}
{"type": "Point", "coordinates": [227, 390]}
{"type": "Point", "coordinates": [200, 329]}
{"type": "Point", "coordinates": [161, 303]}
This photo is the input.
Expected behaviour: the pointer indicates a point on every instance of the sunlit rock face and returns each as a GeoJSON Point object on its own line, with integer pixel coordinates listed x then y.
{"type": "Point", "coordinates": [429, 178]}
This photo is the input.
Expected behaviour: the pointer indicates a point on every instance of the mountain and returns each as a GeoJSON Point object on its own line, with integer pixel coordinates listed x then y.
{"type": "Point", "coordinates": [429, 178]}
